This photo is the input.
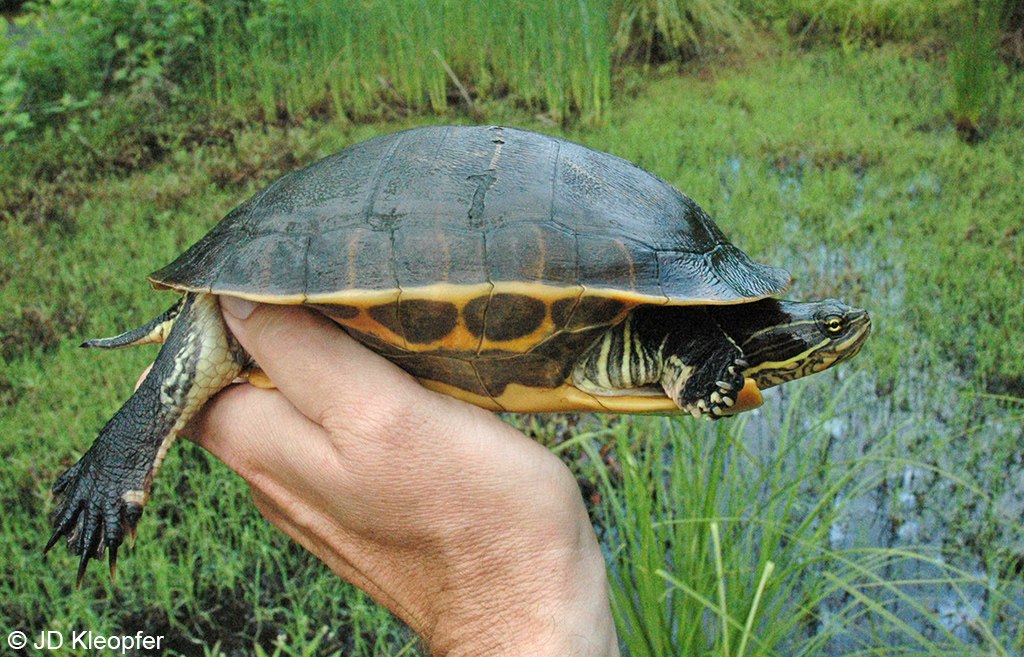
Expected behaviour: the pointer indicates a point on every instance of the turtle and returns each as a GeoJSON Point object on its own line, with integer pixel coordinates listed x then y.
{"type": "Point", "coordinates": [514, 270]}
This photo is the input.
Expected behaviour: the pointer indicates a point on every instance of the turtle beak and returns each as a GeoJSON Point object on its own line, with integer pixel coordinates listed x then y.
{"type": "Point", "coordinates": [798, 348]}
{"type": "Point", "coordinates": [860, 329]}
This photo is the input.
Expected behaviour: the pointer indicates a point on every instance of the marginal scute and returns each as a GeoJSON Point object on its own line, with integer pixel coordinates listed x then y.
{"type": "Point", "coordinates": [512, 316]}
{"type": "Point", "coordinates": [473, 315]}
{"type": "Point", "coordinates": [561, 311]}
{"type": "Point", "coordinates": [424, 321]}
{"type": "Point", "coordinates": [387, 316]}
{"type": "Point", "coordinates": [595, 311]}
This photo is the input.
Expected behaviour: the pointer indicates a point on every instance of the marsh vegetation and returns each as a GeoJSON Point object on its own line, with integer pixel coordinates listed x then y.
{"type": "Point", "coordinates": [874, 509]}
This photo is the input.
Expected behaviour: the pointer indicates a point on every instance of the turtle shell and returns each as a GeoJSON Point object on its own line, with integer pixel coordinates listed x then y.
{"type": "Point", "coordinates": [475, 257]}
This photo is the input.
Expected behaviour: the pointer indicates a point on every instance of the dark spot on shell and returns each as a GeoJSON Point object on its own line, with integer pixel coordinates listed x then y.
{"type": "Point", "coordinates": [561, 311]}
{"type": "Point", "coordinates": [473, 315]}
{"type": "Point", "coordinates": [595, 311]}
{"type": "Point", "coordinates": [338, 311]}
{"type": "Point", "coordinates": [511, 316]}
{"type": "Point", "coordinates": [387, 316]}
{"type": "Point", "coordinates": [427, 321]}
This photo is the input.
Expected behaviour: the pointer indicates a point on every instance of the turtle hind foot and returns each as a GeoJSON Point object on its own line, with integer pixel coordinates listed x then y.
{"type": "Point", "coordinates": [94, 515]}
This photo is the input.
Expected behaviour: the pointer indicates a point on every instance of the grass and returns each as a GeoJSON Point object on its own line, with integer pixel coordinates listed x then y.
{"type": "Point", "coordinates": [973, 64]}
{"type": "Point", "coordinates": [703, 527]}
{"type": "Point", "coordinates": [382, 59]}
{"type": "Point", "coordinates": [838, 164]}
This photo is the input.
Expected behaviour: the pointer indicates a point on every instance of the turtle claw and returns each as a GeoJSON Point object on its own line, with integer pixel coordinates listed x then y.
{"type": "Point", "coordinates": [112, 560]}
{"type": "Point", "coordinates": [93, 516]}
{"type": "Point", "coordinates": [91, 530]}
{"type": "Point", "coordinates": [709, 389]}
{"type": "Point", "coordinates": [715, 403]}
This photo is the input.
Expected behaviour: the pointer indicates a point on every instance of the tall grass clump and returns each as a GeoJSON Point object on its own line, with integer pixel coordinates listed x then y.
{"type": "Point", "coordinates": [361, 60]}
{"type": "Point", "coordinates": [721, 551]}
{"type": "Point", "coordinates": [973, 61]}
{"type": "Point", "coordinates": [855, 20]}
{"type": "Point", "coordinates": [348, 57]}
{"type": "Point", "coordinates": [657, 30]}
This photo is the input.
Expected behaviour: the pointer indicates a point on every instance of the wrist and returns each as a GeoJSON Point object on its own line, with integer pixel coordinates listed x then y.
{"type": "Point", "coordinates": [568, 617]}
{"type": "Point", "coordinates": [539, 637]}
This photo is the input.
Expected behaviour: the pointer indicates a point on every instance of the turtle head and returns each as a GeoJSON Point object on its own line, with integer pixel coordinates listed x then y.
{"type": "Point", "coordinates": [785, 340]}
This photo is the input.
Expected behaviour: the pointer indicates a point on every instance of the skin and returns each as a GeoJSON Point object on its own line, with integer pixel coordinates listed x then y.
{"type": "Point", "coordinates": [473, 534]}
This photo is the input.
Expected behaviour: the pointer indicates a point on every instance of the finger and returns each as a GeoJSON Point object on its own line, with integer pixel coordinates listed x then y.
{"type": "Point", "coordinates": [243, 427]}
{"type": "Point", "coordinates": [324, 549]}
{"type": "Point", "coordinates": [312, 360]}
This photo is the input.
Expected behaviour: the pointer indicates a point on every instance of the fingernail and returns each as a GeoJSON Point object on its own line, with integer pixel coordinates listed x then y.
{"type": "Point", "coordinates": [240, 308]}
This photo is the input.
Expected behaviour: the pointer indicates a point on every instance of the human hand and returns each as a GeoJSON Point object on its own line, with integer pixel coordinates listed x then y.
{"type": "Point", "coordinates": [473, 534]}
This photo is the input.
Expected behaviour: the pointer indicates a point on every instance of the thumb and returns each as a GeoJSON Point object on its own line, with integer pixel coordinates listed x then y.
{"type": "Point", "coordinates": [310, 359]}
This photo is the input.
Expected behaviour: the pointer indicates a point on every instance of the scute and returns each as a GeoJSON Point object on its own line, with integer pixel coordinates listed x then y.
{"type": "Point", "coordinates": [470, 206]}
{"type": "Point", "coordinates": [483, 260]}
{"type": "Point", "coordinates": [509, 316]}
{"type": "Point", "coordinates": [425, 321]}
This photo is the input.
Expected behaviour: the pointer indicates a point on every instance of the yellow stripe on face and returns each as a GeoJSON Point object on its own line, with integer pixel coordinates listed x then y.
{"type": "Point", "coordinates": [765, 331]}
{"type": "Point", "coordinates": [772, 373]}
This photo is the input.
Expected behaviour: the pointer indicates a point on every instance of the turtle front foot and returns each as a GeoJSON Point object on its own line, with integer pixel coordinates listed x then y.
{"type": "Point", "coordinates": [710, 390]}
{"type": "Point", "coordinates": [102, 502]}
{"type": "Point", "coordinates": [714, 400]}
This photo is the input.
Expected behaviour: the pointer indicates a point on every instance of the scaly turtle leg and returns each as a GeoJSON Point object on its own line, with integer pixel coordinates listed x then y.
{"type": "Point", "coordinates": [103, 494]}
{"type": "Point", "coordinates": [702, 368]}
{"type": "Point", "coordinates": [679, 351]}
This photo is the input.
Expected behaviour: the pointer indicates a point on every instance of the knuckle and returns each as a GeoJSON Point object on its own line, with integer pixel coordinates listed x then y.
{"type": "Point", "coordinates": [272, 325]}
{"type": "Point", "coordinates": [390, 421]}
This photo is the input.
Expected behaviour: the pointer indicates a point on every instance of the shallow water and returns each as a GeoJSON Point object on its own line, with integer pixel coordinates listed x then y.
{"type": "Point", "coordinates": [951, 485]}
{"type": "Point", "coordinates": [939, 470]}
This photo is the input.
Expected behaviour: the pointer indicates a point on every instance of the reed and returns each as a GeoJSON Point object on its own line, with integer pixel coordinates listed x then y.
{"type": "Point", "coordinates": [353, 58]}
{"type": "Point", "coordinates": [973, 63]}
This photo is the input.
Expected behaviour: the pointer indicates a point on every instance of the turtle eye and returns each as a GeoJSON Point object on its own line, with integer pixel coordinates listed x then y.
{"type": "Point", "coordinates": [833, 324]}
